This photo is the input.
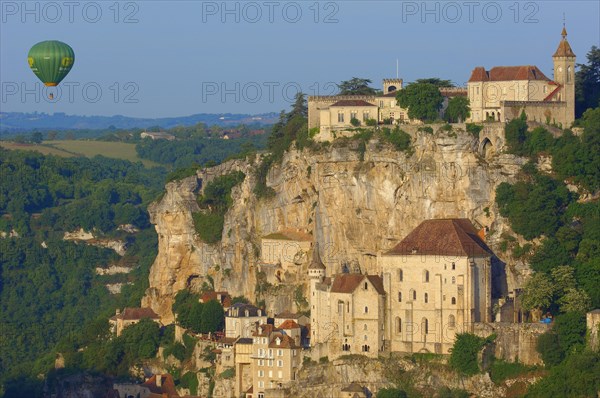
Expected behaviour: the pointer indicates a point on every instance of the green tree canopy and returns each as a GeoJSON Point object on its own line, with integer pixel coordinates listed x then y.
{"type": "Point", "coordinates": [587, 83]}
{"type": "Point", "coordinates": [436, 81]}
{"type": "Point", "coordinates": [356, 86]}
{"type": "Point", "coordinates": [423, 101]}
{"type": "Point", "coordinates": [458, 109]}
{"type": "Point", "coordinates": [465, 353]}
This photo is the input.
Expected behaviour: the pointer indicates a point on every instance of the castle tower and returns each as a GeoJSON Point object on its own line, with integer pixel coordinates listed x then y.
{"type": "Point", "coordinates": [316, 274]}
{"type": "Point", "coordinates": [391, 85]}
{"type": "Point", "coordinates": [564, 74]}
{"type": "Point", "coordinates": [316, 270]}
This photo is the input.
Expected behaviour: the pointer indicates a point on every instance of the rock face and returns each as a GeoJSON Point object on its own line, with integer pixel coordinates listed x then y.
{"type": "Point", "coordinates": [354, 208]}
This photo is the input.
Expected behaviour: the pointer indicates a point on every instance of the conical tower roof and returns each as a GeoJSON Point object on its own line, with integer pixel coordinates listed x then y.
{"type": "Point", "coordinates": [316, 259]}
{"type": "Point", "coordinates": [564, 48]}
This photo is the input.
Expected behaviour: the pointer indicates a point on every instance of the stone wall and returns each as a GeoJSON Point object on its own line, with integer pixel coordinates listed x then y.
{"type": "Point", "coordinates": [514, 341]}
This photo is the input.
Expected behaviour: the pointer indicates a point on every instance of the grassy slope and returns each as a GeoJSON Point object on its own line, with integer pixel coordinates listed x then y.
{"type": "Point", "coordinates": [69, 148]}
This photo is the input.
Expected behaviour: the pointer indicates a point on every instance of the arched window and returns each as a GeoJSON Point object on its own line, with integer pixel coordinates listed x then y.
{"type": "Point", "coordinates": [453, 280]}
{"type": "Point", "coordinates": [400, 275]}
{"type": "Point", "coordinates": [453, 266]}
{"type": "Point", "coordinates": [399, 297]}
{"type": "Point", "coordinates": [365, 327]}
{"type": "Point", "coordinates": [413, 294]}
{"type": "Point", "coordinates": [425, 276]}
{"type": "Point", "coordinates": [398, 325]}
{"type": "Point", "coordinates": [453, 300]}
{"type": "Point", "coordinates": [366, 310]}
{"type": "Point", "coordinates": [426, 298]}
{"type": "Point", "coordinates": [451, 321]}
{"type": "Point", "coordinates": [425, 325]}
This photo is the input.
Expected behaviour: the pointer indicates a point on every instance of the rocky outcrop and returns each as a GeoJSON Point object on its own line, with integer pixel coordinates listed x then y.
{"type": "Point", "coordinates": [354, 208]}
{"type": "Point", "coordinates": [119, 246]}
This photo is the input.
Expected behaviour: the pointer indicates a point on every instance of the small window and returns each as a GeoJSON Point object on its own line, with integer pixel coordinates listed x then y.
{"type": "Point", "coordinates": [340, 117]}
{"type": "Point", "coordinates": [453, 300]}
{"type": "Point", "coordinates": [453, 280]}
{"type": "Point", "coordinates": [425, 325]}
{"type": "Point", "coordinates": [366, 286]}
{"type": "Point", "coordinates": [425, 276]}
{"type": "Point", "coordinates": [400, 275]}
{"type": "Point", "coordinates": [365, 327]}
{"type": "Point", "coordinates": [398, 325]}
{"type": "Point", "coordinates": [366, 116]}
{"type": "Point", "coordinates": [414, 294]}
{"type": "Point", "coordinates": [399, 297]}
{"type": "Point", "coordinates": [426, 298]}
{"type": "Point", "coordinates": [366, 310]}
{"type": "Point", "coordinates": [451, 321]}
{"type": "Point", "coordinates": [352, 115]}
{"type": "Point", "coordinates": [453, 266]}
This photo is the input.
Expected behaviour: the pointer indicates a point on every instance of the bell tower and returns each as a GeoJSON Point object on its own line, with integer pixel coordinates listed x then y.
{"type": "Point", "coordinates": [564, 74]}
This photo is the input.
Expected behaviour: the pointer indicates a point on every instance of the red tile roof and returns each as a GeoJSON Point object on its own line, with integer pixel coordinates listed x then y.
{"type": "Point", "coordinates": [222, 297]}
{"type": "Point", "coordinates": [285, 341]}
{"type": "Point", "coordinates": [564, 48]}
{"type": "Point", "coordinates": [347, 283]}
{"type": "Point", "coordinates": [167, 388]}
{"type": "Point", "coordinates": [289, 324]}
{"type": "Point", "coordinates": [130, 314]}
{"type": "Point", "coordinates": [454, 237]}
{"type": "Point", "coordinates": [352, 103]}
{"type": "Point", "coordinates": [507, 73]}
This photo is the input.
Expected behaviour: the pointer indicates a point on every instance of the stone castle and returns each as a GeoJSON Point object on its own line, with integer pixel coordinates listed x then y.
{"type": "Point", "coordinates": [499, 94]}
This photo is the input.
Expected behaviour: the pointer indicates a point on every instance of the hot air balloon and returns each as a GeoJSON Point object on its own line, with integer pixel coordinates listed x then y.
{"type": "Point", "coordinates": [51, 61]}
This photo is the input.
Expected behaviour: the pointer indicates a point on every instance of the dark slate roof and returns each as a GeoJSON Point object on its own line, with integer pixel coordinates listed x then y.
{"type": "Point", "coordinates": [453, 237]}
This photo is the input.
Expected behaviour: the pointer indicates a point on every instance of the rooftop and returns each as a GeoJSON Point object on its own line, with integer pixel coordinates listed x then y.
{"type": "Point", "coordinates": [131, 314]}
{"type": "Point", "coordinates": [452, 236]}
{"type": "Point", "coordinates": [347, 283]}
{"type": "Point", "coordinates": [507, 73]}
{"type": "Point", "coordinates": [352, 103]}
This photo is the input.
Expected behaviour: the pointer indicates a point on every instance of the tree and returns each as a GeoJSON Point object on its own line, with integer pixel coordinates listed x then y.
{"type": "Point", "coordinates": [423, 101]}
{"type": "Point", "coordinates": [570, 328]}
{"type": "Point", "coordinates": [458, 109]}
{"type": "Point", "coordinates": [356, 86]}
{"type": "Point", "coordinates": [538, 292]}
{"type": "Point", "coordinates": [36, 137]}
{"type": "Point", "coordinates": [299, 108]}
{"type": "Point", "coordinates": [575, 300]}
{"type": "Point", "coordinates": [551, 352]}
{"type": "Point", "coordinates": [391, 393]}
{"type": "Point", "coordinates": [436, 81]}
{"type": "Point", "coordinates": [465, 353]}
{"type": "Point", "coordinates": [213, 317]}
{"type": "Point", "coordinates": [587, 83]}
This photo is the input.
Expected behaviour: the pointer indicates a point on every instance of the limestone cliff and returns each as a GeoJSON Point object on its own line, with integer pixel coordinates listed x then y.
{"type": "Point", "coordinates": [354, 208]}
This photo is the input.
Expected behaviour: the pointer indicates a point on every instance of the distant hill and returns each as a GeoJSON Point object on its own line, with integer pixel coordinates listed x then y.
{"type": "Point", "coordinates": [23, 122]}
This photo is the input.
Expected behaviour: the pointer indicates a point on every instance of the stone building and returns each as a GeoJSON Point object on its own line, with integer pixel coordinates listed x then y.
{"type": "Point", "coordinates": [332, 115]}
{"type": "Point", "coordinates": [130, 316]}
{"type": "Point", "coordinates": [241, 320]}
{"type": "Point", "coordinates": [438, 283]}
{"type": "Point", "coordinates": [347, 311]}
{"type": "Point", "coordinates": [275, 359]}
{"type": "Point", "coordinates": [282, 253]}
{"type": "Point", "coordinates": [503, 92]}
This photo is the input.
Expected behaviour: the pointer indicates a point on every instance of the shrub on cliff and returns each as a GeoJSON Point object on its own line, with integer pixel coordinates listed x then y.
{"type": "Point", "coordinates": [464, 357]}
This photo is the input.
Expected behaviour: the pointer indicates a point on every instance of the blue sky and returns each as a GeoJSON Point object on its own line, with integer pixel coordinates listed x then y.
{"type": "Point", "coordinates": [174, 58]}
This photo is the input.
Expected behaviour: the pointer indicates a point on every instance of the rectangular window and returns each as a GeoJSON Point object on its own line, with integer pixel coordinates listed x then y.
{"type": "Point", "coordinates": [261, 362]}
{"type": "Point", "coordinates": [261, 373]}
{"type": "Point", "coordinates": [279, 353]}
{"type": "Point", "coordinates": [280, 364]}
{"type": "Point", "coordinates": [261, 384]}
{"type": "Point", "coordinates": [366, 116]}
{"type": "Point", "coordinates": [352, 115]}
{"type": "Point", "coordinates": [270, 373]}
{"type": "Point", "coordinates": [340, 117]}
{"type": "Point", "coordinates": [280, 374]}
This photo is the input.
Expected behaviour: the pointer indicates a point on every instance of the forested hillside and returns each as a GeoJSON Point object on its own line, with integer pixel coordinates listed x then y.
{"type": "Point", "coordinates": [49, 290]}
